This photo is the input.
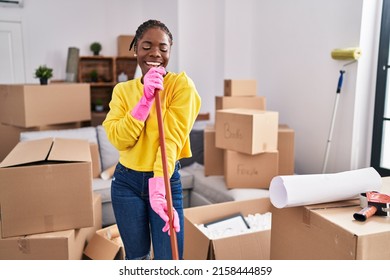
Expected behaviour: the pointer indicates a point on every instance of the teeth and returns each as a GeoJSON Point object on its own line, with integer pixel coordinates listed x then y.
{"type": "Point", "coordinates": [153, 63]}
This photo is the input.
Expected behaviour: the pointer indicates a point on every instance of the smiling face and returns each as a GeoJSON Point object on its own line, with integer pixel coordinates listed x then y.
{"type": "Point", "coordinates": [153, 49]}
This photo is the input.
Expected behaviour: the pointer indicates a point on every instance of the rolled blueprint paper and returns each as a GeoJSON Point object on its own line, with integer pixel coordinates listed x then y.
{"type": "Point", "coordinates": [298, 190]}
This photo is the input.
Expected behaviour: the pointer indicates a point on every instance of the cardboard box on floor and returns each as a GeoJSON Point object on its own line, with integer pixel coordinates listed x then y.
{"type": "Point", "coordinates": [240, 87]}
{"type": "Point", "coordinates": [57, 245]}
{"type": "Point", "coordinates": [46, 185]}
{"type": "Point", "coordinates": [250, 171]}
{"type": "Point", "coordinates": [286, 145]}
{"type": "Point", "coordinates": [35, 105]}
{"type": "Point", "coordinates": [249, 246]}
{"type": "Point", "coordinates": [248, 102]}
{"type": "Point", "coordinates": [247, 131]}
{"type": "Point", "coordinates": [329, 232]}
{"type": "Point", "coordinates": [106, 244]}
{"type": "Point", "coordinates": [213, 156]}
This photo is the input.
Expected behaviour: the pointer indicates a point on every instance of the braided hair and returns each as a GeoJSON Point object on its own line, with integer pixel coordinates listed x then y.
{"type": "Point", "coordinates": [146, 26]}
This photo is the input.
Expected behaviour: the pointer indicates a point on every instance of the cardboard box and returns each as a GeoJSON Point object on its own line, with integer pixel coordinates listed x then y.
{"type": "Point", "coordinates": [240, 88]}
{"type": "Point", "coordinates": [36, 105]}
{"type": "Point", "coordinates": [106, 244]}
{"type": "Point", "coordinates": [248, 246]}
{"type": "Point", "coordinates": [46, 185]}
{"type": "Point", "coordinates": [124, 42]}
{"type": "Point", "coordinates": [10, 135]}
{"type": "Point", "coordinates": [213, 156]}
{"type": "Point", "coordinates": [95, 158]}
{"type": "Point", "coordinates": [248, 102]}
{"type": "Point", "coordinates": [247, 131]}
{"type": "Point", "coordinates": [58, 245]}
{"type": "Point", "coordinates": [328, 232]}
{"type": "Point", "coordinates": [286, 145]}
{"type": "Point", "coordinates": [250, 171]}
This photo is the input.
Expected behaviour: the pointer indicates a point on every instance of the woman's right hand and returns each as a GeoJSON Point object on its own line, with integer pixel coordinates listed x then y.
{"type": "Point", "coordinates": [153, 80]}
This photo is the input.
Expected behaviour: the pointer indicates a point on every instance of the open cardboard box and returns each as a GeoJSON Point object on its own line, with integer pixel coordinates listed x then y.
{"type": "Point", "coordinates": [46, 185]}
{"type": "Point", "coordinates": [106, 244]}
{"type": "Point", "coordinates": [247, 246]}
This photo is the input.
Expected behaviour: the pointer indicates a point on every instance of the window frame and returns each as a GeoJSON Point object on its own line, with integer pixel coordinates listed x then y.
{"type": "Point", "coordinates": [380, 93]}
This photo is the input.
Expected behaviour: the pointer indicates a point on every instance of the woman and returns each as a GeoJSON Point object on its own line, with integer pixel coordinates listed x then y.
{"type": "Point", "coordinates": [138, 191]}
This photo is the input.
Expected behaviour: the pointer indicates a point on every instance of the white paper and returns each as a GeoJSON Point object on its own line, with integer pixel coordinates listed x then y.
{"type": "Point", "coordinates": [257, 222]}
{"type": "Point", "coordinates": [298, 190]}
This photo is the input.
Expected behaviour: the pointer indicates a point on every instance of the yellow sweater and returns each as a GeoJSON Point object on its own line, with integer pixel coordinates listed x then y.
{"type": "Point", "coordinates": [137, 141]}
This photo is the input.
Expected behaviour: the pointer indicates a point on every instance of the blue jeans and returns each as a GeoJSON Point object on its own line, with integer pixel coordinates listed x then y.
{"type": "Point", "coordinates": [138, 224]}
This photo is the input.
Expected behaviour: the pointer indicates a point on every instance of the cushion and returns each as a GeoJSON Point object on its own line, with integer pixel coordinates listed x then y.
{"type": "Point", "coordinates": [103, 187]}
{"type": "Point", "coordinates": [197, 148]}
{"type": "Point", "coordinates": [109, 155]}
{"type": "Point", "coordinates": [187, 179]}
{"type": "Point", "coordinates": [108, 173]}
{"type": "Point", "coordinates": [211, 187]}
{"type": "Point", "coordinates": [87, 133]}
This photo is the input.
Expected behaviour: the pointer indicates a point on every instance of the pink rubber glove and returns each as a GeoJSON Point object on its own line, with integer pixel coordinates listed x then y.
{"type": "Point", "coordinates": [159, 203]}
{"type": "Point", "coordinates": [153, 80]}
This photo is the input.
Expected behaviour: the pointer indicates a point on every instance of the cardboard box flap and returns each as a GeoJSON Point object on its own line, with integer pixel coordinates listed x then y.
{"type": "Point", "coordinates": [54, 149]}
{"type": "Point", "coordinates": [70, 150]}
{"type": "Point", "coordinates": [335, 204]}
{"type": "Point", "coordinates": [28, 152]}
{"type": "Point", "coordinates": [241, 247]}
{"type": "Point", "coordinates": [343, 217]}
{"type": "Point", "coordinates": [199, 245]}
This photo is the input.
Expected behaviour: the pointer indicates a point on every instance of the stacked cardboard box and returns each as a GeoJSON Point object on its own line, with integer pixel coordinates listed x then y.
{"type": "Point", "coordinates": [247, 144]}
{"type": "Point", "coordinates": [28, 107]}
{"type": "Point", "coordinates": [46, 186]}
{"type": "Point", "coordinates": [55, 245]}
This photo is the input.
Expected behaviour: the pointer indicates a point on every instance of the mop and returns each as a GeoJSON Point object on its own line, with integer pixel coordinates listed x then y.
{"type": "Point", "coordinates": [172, 233]}
{"type": "Point", "coordinates": [339, 54]}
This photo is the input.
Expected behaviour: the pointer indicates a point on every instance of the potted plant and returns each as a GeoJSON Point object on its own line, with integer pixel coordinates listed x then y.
{"type": "Point", "coordinates": [99, 105]}
{"type": "Point", "coordinates": [95, 47]}
{"type": "Point", "coordinates": [94, 76]}
{"type": "Point", "coordinates": [43, 73]}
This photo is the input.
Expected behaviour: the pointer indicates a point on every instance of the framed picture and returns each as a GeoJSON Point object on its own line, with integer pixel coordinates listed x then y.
{"type": "Point", "coordinates": [227, 226]}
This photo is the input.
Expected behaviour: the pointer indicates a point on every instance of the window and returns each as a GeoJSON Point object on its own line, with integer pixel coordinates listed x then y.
{"type": "Point", "coordinates": [380, 152]}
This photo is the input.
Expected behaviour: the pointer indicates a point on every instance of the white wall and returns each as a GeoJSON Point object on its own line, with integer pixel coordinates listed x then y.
{"type": "Point", "coordinates": [284, 45]}
{"type": "Point", "coordinates": [298, 76]}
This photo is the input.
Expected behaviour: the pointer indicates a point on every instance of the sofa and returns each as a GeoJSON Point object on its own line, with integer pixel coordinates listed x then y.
{"type": "Point", "coordinates": [198, 189]}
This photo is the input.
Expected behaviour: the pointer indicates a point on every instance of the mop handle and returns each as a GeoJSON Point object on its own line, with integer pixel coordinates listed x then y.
{"type": "Point", "coordinates": [175, 254]}
{"type": "Point", "coordinates": [340, 83]}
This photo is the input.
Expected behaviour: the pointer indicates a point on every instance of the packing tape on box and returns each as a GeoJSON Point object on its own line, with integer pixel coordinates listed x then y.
{"type": "Point", "coordinates": [299, 190]}
{"type": "Point", "coordinates": [346, 54]}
